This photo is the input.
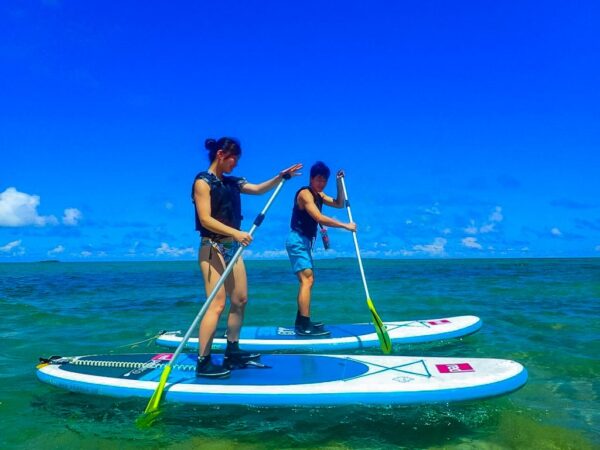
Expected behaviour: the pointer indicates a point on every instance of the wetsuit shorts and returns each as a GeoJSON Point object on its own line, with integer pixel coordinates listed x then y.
{"type": "Point", "coordinates": [226, 248]}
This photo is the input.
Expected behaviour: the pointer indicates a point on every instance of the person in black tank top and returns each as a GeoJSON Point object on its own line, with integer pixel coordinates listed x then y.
{"type": "Point", "coordinates": [306, 217]}
{"type": "Point", "coordinates": [218, 218]}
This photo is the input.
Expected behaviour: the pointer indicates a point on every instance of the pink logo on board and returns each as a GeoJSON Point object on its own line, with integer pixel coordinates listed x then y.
{"type": "Point", "coordinates": [163, 357]}
{"type": "Point", "coordinates": [438, 322]}
{"type": "Point", "coordinates": [454, 368]}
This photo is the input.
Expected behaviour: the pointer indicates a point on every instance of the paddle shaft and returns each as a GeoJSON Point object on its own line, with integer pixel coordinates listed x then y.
{"type": "Point", "coordinates": [382, 334]}
{"type": "Point", "coordinates": [259, 219]}
{"type": "Point", "coordinates": [226, 273]}
{"type": "Point", "coordinates": [360, 264]}
{"type": "Point", "coordinates": [152, 407]}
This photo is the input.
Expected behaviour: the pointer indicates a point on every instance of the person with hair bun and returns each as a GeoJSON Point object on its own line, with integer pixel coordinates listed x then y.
{"type": "Point", "coordinates": [306, 216]}
{"type": "Point", "coordinates": [218, 216]}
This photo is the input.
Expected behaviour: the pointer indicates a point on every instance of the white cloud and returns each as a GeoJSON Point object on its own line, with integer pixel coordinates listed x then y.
{"type": "Point", "coordinates": [598, 248]}
{"type": "Point", "coordinates": [434, 210]}
{"type": "Point", "coordinates": [376, 254]}
{"type": "Point", "coordinates": [496, 216]}
{"type": "Point", "coordinates": [13, 248]}
{"type": "Point", "coordinates": [471, 229]}
{"type": "Point", "coordinates": [18, 209]}
{"type": "Point", "coordinates": [446, 231]}
{"type": "Point", "coordinates": [269, 254]}
{"type": "Point", "coordinates": [396, 253]}
{"type": "Point", "coordinates": [56, 250]}
{"type": "Point", "coordinates": [167, 250]}
{"type": "Point", "coordinates": [435, 248]}
{"type": "Point", "coordinates": [487, 228]}
{"type": "Point", "coordinates": [555, 232]}
{"type": "Point", "coordinates": [72, 217]}
{"type": "Point", "coordinates": [471, 242]}
{"type": "Point", "coordinates": [86, 254]}
{"type": "Point", "coordinates": [133, 249]}
{"type": "Point", "coordinates": [409, 222]}
{"type": "Point", "coordinates": [169, 205]}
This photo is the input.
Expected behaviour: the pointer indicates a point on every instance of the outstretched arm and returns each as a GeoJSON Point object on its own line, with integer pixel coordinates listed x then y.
{"type": "Point", "coordinates": [265, 186]}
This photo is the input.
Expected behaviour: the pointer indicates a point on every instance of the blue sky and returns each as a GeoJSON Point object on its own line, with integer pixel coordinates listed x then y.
{"type": "Point", "coordinates": [466, 129]}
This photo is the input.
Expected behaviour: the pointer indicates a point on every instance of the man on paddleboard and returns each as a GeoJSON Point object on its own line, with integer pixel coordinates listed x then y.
{"type": "Point", "coordinates": [218, 216]}
{"type": "Point", "coordinates": [306, 215]}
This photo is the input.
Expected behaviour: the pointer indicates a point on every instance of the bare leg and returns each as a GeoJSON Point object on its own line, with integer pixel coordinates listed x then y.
{"type": "Point", "coordinates": [208, 325]}
{"type": "Point", "coordinates": [304, 326]}
{"type": "Point", "coordinates": [306, 279]}
{"type": "Point", "coordinates": [237, 288]}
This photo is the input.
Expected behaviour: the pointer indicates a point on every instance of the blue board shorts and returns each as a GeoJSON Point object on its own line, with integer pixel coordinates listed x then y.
{"type": "Point", "coordinates": [299, 251]}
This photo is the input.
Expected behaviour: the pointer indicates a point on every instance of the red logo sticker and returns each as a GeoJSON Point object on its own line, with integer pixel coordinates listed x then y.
{"type": "Point", "coordinates": [163, 357]}
{"type": "Point", "coordinates": [454, 368]}
{"type": "Point", "coordinates": [438, 322]}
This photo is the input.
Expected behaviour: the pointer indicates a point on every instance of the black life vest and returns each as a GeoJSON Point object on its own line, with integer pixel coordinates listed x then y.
{"type": "Point", "coordinates": [301, 220]}
{"type": "Point", "coordinates": [225, 202]}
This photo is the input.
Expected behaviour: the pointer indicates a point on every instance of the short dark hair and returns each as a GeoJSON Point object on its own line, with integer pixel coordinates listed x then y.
{"type": "Point", "coordinates": [320, 168]}
{"type": "Point", "coordinates": [229, 145]}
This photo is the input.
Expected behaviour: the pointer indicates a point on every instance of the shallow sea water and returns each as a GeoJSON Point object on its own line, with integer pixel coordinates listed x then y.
{"type": "Point", "coordinates": [542, 313]}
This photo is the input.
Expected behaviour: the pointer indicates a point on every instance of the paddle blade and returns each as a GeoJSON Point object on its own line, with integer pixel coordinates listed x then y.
{"type": "Point", "coordinates": [146, 420]}
{"type": "Point", "coordinates": [384, 338]}
{"type": "Point", "coordinates": [151, 411]}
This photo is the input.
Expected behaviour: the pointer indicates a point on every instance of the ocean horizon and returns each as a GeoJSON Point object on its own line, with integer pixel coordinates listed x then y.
{"type": "Point", "coordinates": [320, 256]}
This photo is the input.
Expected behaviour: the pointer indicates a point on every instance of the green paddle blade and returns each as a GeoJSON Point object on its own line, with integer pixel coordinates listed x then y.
{"type": "Point", "coordinates": [382, 334]}
{"type": "Point", "coordinates": [151, 412]}
{"type": "Point", "coordinates": [147, 419]}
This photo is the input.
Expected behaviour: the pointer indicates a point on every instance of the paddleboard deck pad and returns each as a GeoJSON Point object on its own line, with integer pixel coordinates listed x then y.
{"type": "Point", "coordinates": [291, 379]}
{"type": "Point", "coordinates": [342, 337]}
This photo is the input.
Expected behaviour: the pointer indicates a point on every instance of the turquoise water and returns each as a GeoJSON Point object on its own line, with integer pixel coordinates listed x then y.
{"type": "Point", "coordinates": [542, 313]}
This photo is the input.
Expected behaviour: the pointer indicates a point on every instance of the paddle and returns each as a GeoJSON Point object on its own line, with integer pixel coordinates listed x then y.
{"type": "Point", "coordinates": [382, 334]}
{"type": "Point", "coordinates": [151, 411]}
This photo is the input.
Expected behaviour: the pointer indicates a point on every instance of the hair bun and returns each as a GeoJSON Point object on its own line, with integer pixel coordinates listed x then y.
{"type": "Point", "coordinates": [210, 144]}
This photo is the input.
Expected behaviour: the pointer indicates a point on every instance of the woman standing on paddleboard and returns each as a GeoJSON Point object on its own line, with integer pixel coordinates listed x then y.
{"type": "Point", "coordinates": [217, 203]}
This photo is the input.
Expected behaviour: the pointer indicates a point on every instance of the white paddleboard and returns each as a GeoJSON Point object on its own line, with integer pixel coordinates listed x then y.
{"type": "Point", "coordinates": [342, 337]}
{"type": "Point", "coordinates": [294, 379]}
